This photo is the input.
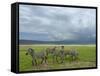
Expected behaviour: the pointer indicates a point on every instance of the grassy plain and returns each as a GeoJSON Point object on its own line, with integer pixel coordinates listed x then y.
{"type": "Point", "coordinates": [87, 58]}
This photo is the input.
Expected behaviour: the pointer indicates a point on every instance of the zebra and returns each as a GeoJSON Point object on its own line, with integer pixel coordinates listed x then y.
{"type": "Point", "coordinates": [50, 50]}
{"type": "Point", "coordinates": [56, 54]}
{"type": "Point", "coordinates": [62, 54]}
{"type": "Point", "coordinates": [74, 54]}
{"type": "Point", "coordinates": [53, 52]}
{"type": "Point", "coordinates": [36, 55]}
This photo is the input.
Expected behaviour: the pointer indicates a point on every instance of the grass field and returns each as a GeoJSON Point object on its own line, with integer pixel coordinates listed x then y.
{"type": "Point", "coordinates": [87, 58]}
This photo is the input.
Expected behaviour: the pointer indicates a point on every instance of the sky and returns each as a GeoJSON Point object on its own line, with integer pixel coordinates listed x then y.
{"type": "Point", "coordinates": [47, 23]}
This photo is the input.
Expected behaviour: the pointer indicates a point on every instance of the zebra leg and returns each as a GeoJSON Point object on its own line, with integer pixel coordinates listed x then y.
{"type": "Point", "coordinates": [62, 59]}
{"type": "Point", "coordinates": [42, 60]}
{"type": "Point", "coordinates": [73, 58]}
{"type": "Point", "coordinates": [59, 61]}
{"type": "Point", "coordinates": [76, 58]}
{"type": "Point", "coordinates": [35, 62]}
{"type": "Point", "coordinates": [32, 63]}
{"type": "Point", "coordinates": [45, 59]}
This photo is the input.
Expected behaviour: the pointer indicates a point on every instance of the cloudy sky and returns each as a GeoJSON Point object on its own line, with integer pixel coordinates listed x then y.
{"type": "Point", "coordinates": [47, 23]}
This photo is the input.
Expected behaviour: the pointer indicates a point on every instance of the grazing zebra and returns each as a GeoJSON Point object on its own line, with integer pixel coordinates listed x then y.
{"type": "Point", "coordinates": [71, 53]}
{"type": "Point", "coordinates": [57, 55]}
{"type": "Point", "coordinates": [64, 53]}
{"type": "Point", "coordinates": [39, 55]}
{"type": "Point", "coordinates": [50, 50]}
{"type": "Point", "coordinates": [61, 55]}
{"type": "Point", "coordinates": [74, 54]}
{"type": "Point", "coordinates": [53, 52]}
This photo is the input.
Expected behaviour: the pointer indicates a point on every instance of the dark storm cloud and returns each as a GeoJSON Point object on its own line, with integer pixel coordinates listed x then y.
{"type": "Point", "coordinates": [58, 23]}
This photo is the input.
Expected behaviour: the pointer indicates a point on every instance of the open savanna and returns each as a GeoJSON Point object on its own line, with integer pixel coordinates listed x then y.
{"type": "Point", "coordinates": [87, 58]}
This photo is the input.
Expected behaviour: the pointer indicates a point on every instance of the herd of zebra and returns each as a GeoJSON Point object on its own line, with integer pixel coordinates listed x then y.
{"type": "Point", "coordinates": [58, 55]}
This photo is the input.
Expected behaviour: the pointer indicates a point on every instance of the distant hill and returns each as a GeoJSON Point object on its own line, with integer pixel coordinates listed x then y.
{"type": "Point", "coordinates": [55, 42]}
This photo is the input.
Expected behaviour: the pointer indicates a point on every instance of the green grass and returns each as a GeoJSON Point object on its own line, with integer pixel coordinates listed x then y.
{"type": "Point", "coordinates": [87, 58]}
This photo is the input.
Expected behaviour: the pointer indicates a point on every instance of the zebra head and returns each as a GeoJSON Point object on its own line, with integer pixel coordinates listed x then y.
{"type": "Point", "coordinates": [30, 51]}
